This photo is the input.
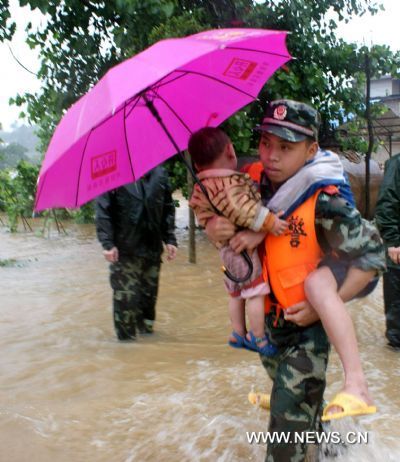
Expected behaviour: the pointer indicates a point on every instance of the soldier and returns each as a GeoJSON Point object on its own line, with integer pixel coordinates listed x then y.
{"type": "Point", "coordinates": [323, 224]}
{"type": "Point", "coordinates": [388, 222]}
{"type": "Point", "coordinates": [132, 223]}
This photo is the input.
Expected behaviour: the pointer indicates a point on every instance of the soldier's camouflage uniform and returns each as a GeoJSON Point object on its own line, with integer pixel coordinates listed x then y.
{"type": "Point", "coordinates": [136, 218]}
{"type": "Point", "coordinates": [388, 222]}
{"type": "Point", "coordinates": [298, 370]}
{"type": "Point", "coordinates": [135, 286]}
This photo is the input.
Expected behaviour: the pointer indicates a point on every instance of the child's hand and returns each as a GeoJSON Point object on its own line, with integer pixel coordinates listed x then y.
{"type": "Point", "coordinates": [279, 226]}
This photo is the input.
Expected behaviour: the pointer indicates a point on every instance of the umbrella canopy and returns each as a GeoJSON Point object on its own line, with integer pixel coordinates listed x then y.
{"type": "Point", "coordinates": [116, 132]}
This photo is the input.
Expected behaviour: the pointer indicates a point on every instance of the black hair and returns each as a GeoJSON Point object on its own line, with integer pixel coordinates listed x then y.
{"type": "Point", "coordinates": [206, 145]}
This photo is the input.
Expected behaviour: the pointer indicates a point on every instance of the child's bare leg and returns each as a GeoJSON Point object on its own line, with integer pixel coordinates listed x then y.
{"type": "Point", "coordinates": [256, 314]}
{"type": "Point", "coordinates": [321, 291]}
{"type": "Point", "coordinates": [237, 316]}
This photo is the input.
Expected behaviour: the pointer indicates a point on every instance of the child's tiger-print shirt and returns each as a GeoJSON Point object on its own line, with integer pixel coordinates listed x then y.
{"type": "Point", "coordinates": [235, 195]}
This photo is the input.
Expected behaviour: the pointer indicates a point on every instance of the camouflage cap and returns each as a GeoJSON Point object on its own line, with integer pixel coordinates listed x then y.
{"type": "Point", "coordinates": [291, 120]}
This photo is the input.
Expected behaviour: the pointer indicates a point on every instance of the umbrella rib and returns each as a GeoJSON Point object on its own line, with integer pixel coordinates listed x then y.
{"type": "Point", "coordinates": [137, 96]}
{"type": "Point", "coordinates": [257, 51]}
{"type": "Point", "coordinates": [161, 83]}
{"type": "Point", "coordinates": [218, 80]}
{"type": "Point", "coordinates": [175, 113]}
{"type": "Point", "coordinates": [80, 167]}
{"type": "Point", "coordinates": [126, 141]}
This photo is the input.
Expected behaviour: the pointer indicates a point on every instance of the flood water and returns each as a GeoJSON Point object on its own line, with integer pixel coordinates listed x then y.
{"type": "Point", "coordinates": [71, 392]}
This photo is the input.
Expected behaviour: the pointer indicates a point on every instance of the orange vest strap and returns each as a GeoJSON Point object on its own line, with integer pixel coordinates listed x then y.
{"type": "Point", "coordinates": [245, 168]}
{"type": "Point", "coordinates": [254, 170]}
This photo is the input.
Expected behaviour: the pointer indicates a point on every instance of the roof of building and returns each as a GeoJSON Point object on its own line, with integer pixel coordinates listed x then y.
{"type": "Point", "coordinates": [387, 124]}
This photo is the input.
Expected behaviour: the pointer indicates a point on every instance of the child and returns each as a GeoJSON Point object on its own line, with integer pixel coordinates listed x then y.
{"type": "Point", "coordinates": [234, 194]}
{"type": "Point", "coordinates": [322, 224]}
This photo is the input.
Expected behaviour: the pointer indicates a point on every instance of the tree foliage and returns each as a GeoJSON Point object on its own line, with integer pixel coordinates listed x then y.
{"type": "Point", "coordinates": [11, 154]}
{"type": "Point", "coordinates": [381, 61]}
{"type": "Point", "coordinates": [7, 26]}
{"type": "Point", "coordinates": [84, 38]}
{"type": "Point", "coordinates": [17, 192]}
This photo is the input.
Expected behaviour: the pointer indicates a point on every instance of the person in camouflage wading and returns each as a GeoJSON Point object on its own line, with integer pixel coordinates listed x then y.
{"type": "Point", "coordinates": [388, 222]}
{"type": "Point", "coordinates": [322, 228]}
{"type": "Point", "coordinates": [132, 223]}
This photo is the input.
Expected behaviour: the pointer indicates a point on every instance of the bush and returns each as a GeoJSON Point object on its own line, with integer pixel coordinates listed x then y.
{"type": "Point", "coordinates": [17, 192]}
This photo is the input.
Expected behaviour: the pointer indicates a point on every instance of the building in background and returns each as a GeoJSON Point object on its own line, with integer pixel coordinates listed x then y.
{"type": "Point", "coordinates": [386, 90]}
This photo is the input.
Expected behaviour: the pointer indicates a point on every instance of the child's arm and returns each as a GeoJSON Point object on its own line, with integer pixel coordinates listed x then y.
{"type": "Point", "coordinates": [238, 201]}
{"type": "Point", "coordinates": [268, 222]}
{"type": "Point", "coordinates": [242, 206]}
{"type": "Point", "coordinates": [201, 207]}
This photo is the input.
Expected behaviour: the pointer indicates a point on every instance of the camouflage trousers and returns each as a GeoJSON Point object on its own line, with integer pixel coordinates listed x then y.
{"type": "Point", "coordinates": [298, 373]}
{"type": "Point", "coordinates": [134, 282]}
{"type": "Point", "coordinates": [391, 296]}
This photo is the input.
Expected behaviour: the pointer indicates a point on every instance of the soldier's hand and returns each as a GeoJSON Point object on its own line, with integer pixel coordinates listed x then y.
{"type": "Point", "coordinates": [219, 229]}
{"type": "Point", "coordinates": [111, 255]}
{"type": "Point", "coordinates": [302, 314]}
{"type": "Point", "coordinates": [246, 239]}
{"type": "Point", "coordinates": [394, 254]}
{"type": "Point", "coordinates": [171, 252]}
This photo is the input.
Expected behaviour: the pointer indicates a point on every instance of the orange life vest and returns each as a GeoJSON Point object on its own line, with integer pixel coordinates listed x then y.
{"type": "Point", "coordinates": [291, 257]}
{"type": "Point", "coordinates": [254, 170]}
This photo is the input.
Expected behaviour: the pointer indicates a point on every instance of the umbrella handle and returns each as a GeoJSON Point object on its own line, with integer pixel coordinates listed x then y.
{"type": "Point", "coordinates": [233, 278]}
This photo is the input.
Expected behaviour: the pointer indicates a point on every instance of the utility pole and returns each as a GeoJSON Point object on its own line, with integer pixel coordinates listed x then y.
{"type": "Point", "coordinates": [192, 224]}
{"type": "Point", "coordinates": [370, 133]}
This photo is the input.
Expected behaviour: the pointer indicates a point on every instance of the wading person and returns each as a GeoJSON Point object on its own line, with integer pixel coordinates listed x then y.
{"type": "Point", "coordinates": [132, 223]}
{"type": "Point", "coordinates": [388, 222]}
{"type": "Point", "coordinates": [306, 279]}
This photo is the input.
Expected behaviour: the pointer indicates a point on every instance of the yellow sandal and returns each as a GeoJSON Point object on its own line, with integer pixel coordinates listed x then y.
{"type": "Point", "coordinates": [262, 400]}
{"type": "Point", "coordinates": [351, 405]}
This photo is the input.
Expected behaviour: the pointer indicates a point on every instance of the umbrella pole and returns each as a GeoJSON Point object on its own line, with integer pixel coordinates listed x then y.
{"type": "Point", "coordinates": [245, 255]}
{"type": "Point", "coordinates": [192, 221]}
{"type": "Point", "coordinates": [155, 113]}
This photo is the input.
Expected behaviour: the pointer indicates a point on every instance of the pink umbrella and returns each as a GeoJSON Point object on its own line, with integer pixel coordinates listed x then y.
{"type": "Point", "coordinates": [143, 110]}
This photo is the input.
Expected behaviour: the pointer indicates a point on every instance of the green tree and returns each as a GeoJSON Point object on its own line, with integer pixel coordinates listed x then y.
{"type": "Point", "coordinates": [11, 154]}
{"type": "Point", "coordinates": [82, 39]}
{"type": "Point", "coordinates": [73, 59]}
{"type": "Point", "coordinates": [17, 192]}
{"type": "Point", "coordinates": [7, 26]}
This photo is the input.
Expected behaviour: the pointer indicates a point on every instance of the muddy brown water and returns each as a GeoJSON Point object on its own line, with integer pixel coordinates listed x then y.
{"type": "Point", "coordinates": [71, 392]}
